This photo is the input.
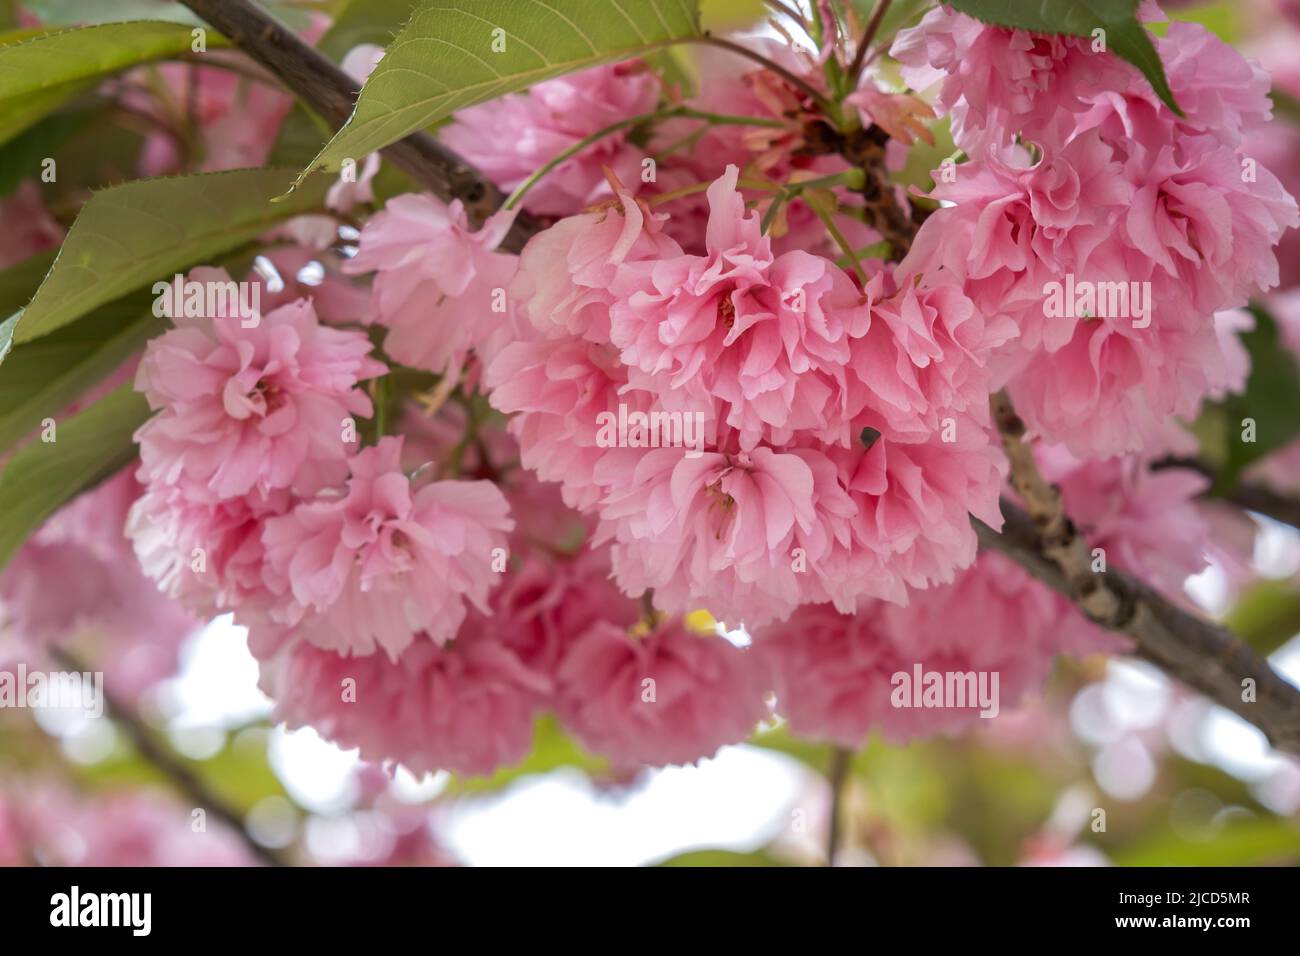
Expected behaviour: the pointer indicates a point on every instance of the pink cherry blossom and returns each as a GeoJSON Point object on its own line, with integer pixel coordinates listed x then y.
{"type": "Point", "coordinates": [467, 706]}
{"type": "Point", "coordinates": [765, 336]}
{"type": "Point", "coordinates": [76, 577]}
{"type": "Point", "coordinates": [208, 556]}
{"type": "Point", "coordinates": [510, 137]}
{"type": "Point", "coordinates": [29, 227]}
{"type": "Point", "coordinates": [52, 825]}
{"type": "Point", "coordinates": [383, 562]}
{"type": "Point", "coordinates": [670, 697]}
{"type": "Point", "coordinates": [251, 403]}
{"type": "Point", "coordinates": [440, 287]}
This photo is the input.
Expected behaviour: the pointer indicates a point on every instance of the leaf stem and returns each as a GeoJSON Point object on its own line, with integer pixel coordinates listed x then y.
{"type": "Point", "coordinates": [798, 83]}
{"type": "Point", "coordinates": [868, 34]}
{"type": "Point", "coordinates": [829, 221]}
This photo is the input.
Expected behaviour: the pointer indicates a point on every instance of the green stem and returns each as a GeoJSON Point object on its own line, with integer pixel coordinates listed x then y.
{"type": "Point", "coordinates": [852, 178]}
{"type": "Point", "coordinates": [877, 250]}
{"type": "Point", "coordinates": [381, 393]}
{"type": "Point", "coordinates": [840, 241]}
{"type": "Point", "coordinates": [694, 188]}
{"type": "Point", "coordinates": [672, 112]}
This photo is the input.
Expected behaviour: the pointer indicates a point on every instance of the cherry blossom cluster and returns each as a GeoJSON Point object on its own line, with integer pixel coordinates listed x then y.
{"type": "Point", "coordinates": [712, 383]}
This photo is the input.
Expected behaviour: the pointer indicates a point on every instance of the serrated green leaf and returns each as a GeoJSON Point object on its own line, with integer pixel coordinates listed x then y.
{"type": "Point", "coordinates": [39, 74]}
{"type": "Point", "coordinates": [291, 12]}
{"type": "Point", "coordinates": [1125, 36]}
{"type": "Point", "coordinates": [302, 134]}
{"type": "Point", "coordinates": [443, 59]}
{"type": "Point", "coordinates": [88, 448]}
{"type": "Point", "coordinates": [42, 377]}
{"type": "Point", "coordinates": [142, 232]}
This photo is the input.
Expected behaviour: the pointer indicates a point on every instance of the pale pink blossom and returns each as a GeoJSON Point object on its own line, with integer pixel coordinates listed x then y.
{"type": "Point", "coordinates": [383, 562]}
{"type": "Point", "coordinates": [671, 696]}
{"type": "Point", "coordinates": [767, 337]}
{"type": "Point", "coordinates": [440, 287]}
{"type": "Point", "coordinates": [52, 825]}
{"type": "Point", "coordinates": [76, 578]}
{"type": "Point", "coordinates": [996, 83]}
{"type": "Point", "coordinates": [208, 556]}
{"type": "Point", "coordinates": [467, 706]}
{"type": "Point", "coordinates": [251, 403]}
{"type": "Point", "coordinates": [510, 137]}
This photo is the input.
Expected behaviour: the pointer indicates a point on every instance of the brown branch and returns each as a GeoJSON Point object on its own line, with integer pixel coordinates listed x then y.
{"type": "Point", "coordinates": [182, 777]}
{"type": "Point", "coordinates": [1202, 654]}
{"type": "Point", "coordinates": [1252, 497]}
{"type": "Point", "coordinates": [331, 93]}
{"type": "Point", "coordinates": [865, 149]}
{"type": "Point", "coordinates": [841, 759]}
{"type": "Point", "coordinates": [1060, 540]}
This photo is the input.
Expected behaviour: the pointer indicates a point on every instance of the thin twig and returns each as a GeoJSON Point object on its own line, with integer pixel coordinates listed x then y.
{"type": "Point", "coordinates": [798, 83]}
{"type": "Point", "coordinates": [869, 34]}
{"type": "Point", "coordinates": [183, 778]}
{"type": "Point", "coordinates": [841, 759]}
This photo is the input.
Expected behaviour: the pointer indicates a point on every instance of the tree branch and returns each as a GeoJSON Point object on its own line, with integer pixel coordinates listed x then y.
{"type": "Point", "coordinates": [1202, 654]}
{"type": "Point", "coordinates": [331, 93]}
{"type": "Point", "coordinates": [183, 778]}
{"type": "Point", "coordinates": [841, 759]}
{"type": "Point", "coordinates": [1057, 535]}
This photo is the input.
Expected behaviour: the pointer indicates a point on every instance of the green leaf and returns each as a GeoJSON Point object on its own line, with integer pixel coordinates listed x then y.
{"type": "Point", "coordinates": [22, 157]}
{"type": "Point", "coordinates": [89, 447]}
{"type": "Point", "coordinates": [302, 134]}
{"type": "Point", "coordinates": [1267, 616]}
{"type": "Point", "coordinates": [43, 377]}
{"type": "Point", "coordinates": [17, 284]}
{"type": "Point", "coordinates": [142, 232]}
{"type": "Point", "coordinates": [1125, 36]}
{"type": "Point", "coordinates": [1271, 401]}
{"type": "Point", "coordinates": [443, 59]}
{"type": "Point", "coordinates": [365, 21]}
{"type": "Point", "coordinates": [39, 74]}
{"type": "Point", "coordinates": [292, 12]}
